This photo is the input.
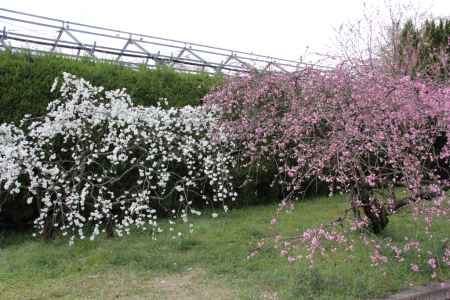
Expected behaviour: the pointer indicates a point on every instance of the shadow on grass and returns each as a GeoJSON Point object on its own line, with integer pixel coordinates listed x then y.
{"type": "Point", "coordinates": [14, 237]}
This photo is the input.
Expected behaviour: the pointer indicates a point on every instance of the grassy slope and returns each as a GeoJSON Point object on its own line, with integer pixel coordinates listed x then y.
{"type": "Point", "coordinates": [210, 263]}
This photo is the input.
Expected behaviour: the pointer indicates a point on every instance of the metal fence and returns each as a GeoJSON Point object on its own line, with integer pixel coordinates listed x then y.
{"type": "Point", "coordinates": [40, 35]}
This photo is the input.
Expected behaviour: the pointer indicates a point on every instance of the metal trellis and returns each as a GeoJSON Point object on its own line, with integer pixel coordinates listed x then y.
{"type": "Point", "coordinates": [40, 35]}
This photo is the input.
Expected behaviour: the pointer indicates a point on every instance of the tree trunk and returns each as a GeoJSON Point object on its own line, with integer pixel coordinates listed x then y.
{"type": "Point", "coordinates": [374, 210]}
{"type": "Point", "coordinates": [49, 231]}
{"type": "Point", "coordinates": [110, 229]}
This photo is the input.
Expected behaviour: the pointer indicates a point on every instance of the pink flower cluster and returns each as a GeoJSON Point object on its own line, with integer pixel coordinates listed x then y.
{"type": "Point", "coordinates": [360, 131]}
{"type": "Point", "coordinates": [344, 128]}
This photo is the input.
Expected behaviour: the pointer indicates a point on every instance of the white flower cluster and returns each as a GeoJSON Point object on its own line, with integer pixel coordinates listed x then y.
{"type": "Point", "coordinates": [96, 159]}
{"type": "Point", "coordinates": [12, 154]}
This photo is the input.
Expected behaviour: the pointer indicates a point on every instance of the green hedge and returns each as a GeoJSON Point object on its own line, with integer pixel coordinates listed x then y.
{"type": "Point", "coordinates": [430, 43]}
{"type": "Point", "coordinates": [25, 81]}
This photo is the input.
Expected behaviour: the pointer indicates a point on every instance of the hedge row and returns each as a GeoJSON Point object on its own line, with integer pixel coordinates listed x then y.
{"type": "Point", "coordinates": [25, 81]}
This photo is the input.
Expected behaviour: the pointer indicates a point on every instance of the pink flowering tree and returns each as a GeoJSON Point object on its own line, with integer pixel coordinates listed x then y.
{"type": "Point", "coordinates": [363, 133]}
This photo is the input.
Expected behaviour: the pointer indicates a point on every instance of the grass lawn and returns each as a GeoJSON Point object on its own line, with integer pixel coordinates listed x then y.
{"type": "Point", "coordinates": [208, 264]}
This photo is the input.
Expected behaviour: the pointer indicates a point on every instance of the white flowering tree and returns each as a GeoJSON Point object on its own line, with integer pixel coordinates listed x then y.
{"type": "Point", "coordinates": [95, 162]}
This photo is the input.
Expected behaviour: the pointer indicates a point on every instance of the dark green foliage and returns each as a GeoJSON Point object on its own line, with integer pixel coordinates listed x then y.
{"type": "Point", "coordinates": [425, 51]}
{"type": "Point", "coordinates": [25, 82]}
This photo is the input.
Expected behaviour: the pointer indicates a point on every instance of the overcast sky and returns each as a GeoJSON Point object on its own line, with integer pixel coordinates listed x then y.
{"type": "Point", "coordinates": [279, 28]}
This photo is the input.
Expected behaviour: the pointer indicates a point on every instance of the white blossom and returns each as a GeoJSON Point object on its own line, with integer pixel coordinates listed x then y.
{"type": "Point", "coordinates": [95, 158]}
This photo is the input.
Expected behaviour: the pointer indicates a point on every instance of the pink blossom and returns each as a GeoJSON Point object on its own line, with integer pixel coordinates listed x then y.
{"type": "Point", "coordinates": [292, 259]}
{"type": "Point", "coordinates": [433, 263]}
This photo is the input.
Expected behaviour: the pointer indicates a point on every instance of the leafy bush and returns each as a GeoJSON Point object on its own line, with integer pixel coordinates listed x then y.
{"type": "Point", "coordinates": [96, 159]}
{"type": "Point", "coordinates": [25, 82]}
